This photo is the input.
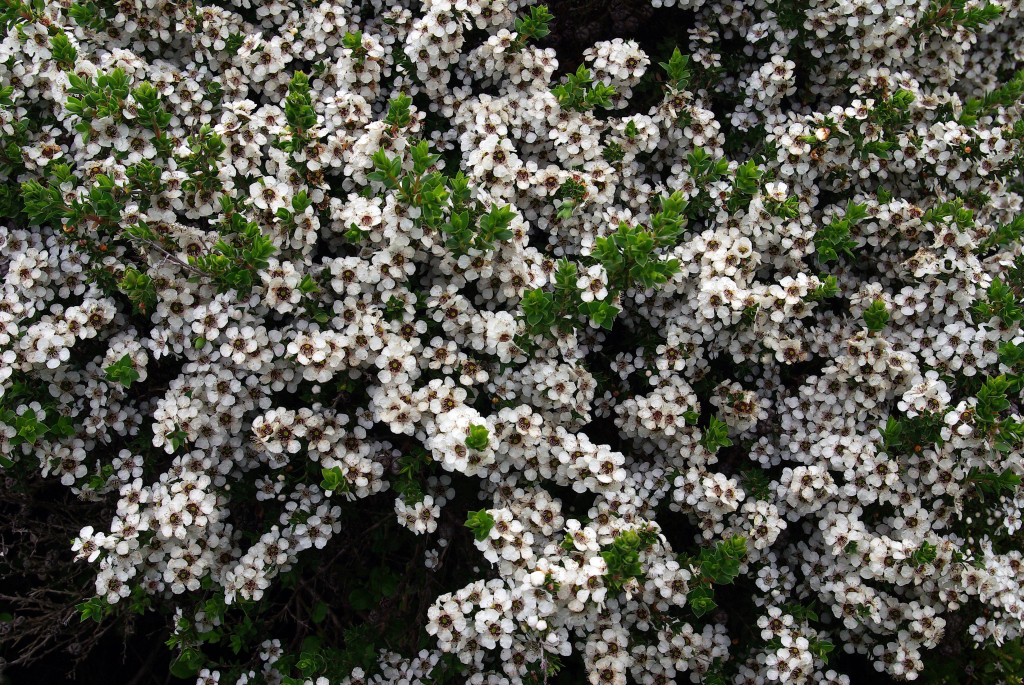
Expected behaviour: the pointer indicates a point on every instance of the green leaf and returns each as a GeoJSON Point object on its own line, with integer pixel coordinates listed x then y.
{"type": "Point", "coordinates": [678, 71]}
{"type": "Point", "coordinates": [478, 438]}
{"type": "Point", "coordinates": [63, 52]}
{"type": "Point", "coordinates": [700, 600]}
{"type": "Point", "coordinates": [95, 608]}
{"type": "Point", "coordinates": [925, 554]}
{"type": "Point", "coordinates": [716, 435]}
{"type": "Point", "coordinates": [188, 664]}
{"type": "Point", "coordinates": [334, 480]}
{"type": "Point", "coordinates": [480, 522]}
{"type": "Point", "coordinates": [531, 28]}
{"type": "Point", "coordinates": [876, 316]}
{"type": "Point", "coordinates": [361, 600]}
{"type": "Point", "coordinates": [828, 289]}
{"type": "Point", "coordinates": [821, 649]}
{"type": "Point", "coordinates": [123, 371]}
{"type": "Point", "coordinates": [389, 584]}
{"type": "Point", "coordinates": [398, 111]}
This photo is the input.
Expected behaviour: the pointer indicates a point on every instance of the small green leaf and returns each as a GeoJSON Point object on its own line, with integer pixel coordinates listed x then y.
{"type": "Point", "coordinates": [876, 316]}
{"type": "Point", "coordinates": [361, 600]}
{"type": "Point", "coordinates": [480, 522]}
{"type": "Point", "coordinates": [478, 438]}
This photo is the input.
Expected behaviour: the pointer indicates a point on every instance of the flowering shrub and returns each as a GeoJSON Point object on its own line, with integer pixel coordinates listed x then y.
{"type": "Point", "coordinates": [387, 348]}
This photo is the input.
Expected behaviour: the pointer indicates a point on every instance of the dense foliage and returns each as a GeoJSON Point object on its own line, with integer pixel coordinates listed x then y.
{"type": "Point", "coordinates": [491, 342]}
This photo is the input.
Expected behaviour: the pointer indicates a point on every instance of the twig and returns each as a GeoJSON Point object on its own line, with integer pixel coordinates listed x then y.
{"type": "Point", "coordinates": [145, 667]}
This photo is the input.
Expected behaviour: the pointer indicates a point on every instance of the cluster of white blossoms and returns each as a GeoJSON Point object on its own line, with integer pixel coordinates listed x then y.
{"type": "Point", "coordinates": [302, 253]}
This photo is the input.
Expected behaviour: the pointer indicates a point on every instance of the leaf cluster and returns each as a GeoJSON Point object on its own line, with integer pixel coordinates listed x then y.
{"type": "Point", "coordinates": [834, 239]}
{"type": "Point", "coordinates": [714, 565]}
{"type": "Point", "coordinates": [622, 556]}
{"type": "Point", "coordinates": [581, 94]}
{"type": "Point", "coordinates": [480, 523]}
{"type": "Point", "coordinates": [122, 371]}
